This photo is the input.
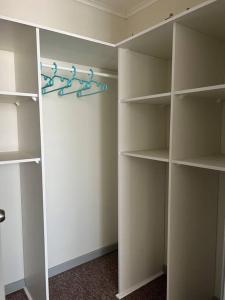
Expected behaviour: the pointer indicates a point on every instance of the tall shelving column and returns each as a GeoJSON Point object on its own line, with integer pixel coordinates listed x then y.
{"type": "Point", "coordinates": [20, 157]}
{"type": "Point", "coordinates": [196, 185]}
{"type": "Point", "coordinates": [144, 134]}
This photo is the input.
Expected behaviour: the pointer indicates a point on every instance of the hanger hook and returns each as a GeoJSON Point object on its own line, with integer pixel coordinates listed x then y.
{"type": "Point", "coordinates": [74, 71]}
{"type": "Point", "coordinates": [91, 75]}
{"type": "Point", "coordinates": [54, 68]}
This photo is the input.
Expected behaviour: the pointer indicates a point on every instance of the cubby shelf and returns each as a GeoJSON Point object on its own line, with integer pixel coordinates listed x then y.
{"type": "Point", "coordinates": [209, 92]}
{"type": "Point", "coordinates": [158, 155]}
{"type": "Point", "coordinates": [16, 157]}
{"type": "Point", "coordinates": [213, 162]}
{"type": "Point", "coordinates": [161, 98]}
{"type": "Point", "coordinates": [13, 97]}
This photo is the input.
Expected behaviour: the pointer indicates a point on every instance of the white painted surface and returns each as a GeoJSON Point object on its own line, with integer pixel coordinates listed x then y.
{"type": "Point", "coordinates": [2, 292]}
{"type": "Point", "coordinates": [80, 166]}
{"type": "Point", "coordinates": [71, 16]}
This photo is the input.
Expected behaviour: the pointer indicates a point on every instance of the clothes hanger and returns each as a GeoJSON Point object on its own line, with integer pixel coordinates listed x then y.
{"type": "Point", "coordinates": [51, 82]}
{"type": "Point", "coordinates": [102, 87]}
{"type": "Point", "coordinates": [84, 83]}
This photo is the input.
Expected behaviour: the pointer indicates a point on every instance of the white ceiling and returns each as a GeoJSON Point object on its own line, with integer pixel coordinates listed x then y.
{"type": "Point", "coordinates": [122, 8]}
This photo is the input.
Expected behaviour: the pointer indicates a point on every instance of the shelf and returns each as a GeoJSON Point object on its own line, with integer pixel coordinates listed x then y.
{"type": "Point", "coordinates": [13, 97]}
{"type": "Point", "coordinates": [162, 98]}
{"type": "Point", "coordinates": [17, 157]}
{"type": "Point", "coordinates": [158, 155]}
{"type": "Point", "coordinates": [213, 162]}
{"type": "Point", "coordinates": [214, 92]}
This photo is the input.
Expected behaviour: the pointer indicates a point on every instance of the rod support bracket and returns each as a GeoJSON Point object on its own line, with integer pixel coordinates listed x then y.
{"type": "Point", "coordinates": [34, 98]}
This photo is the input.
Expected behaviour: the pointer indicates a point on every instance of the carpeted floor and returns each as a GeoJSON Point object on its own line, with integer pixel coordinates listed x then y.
{"type": "Point", "coordinates": [96, 280]}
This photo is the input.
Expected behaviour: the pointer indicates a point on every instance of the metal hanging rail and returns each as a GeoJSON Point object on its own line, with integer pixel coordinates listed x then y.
{"type": "Point", "coordinates": [107, 75]}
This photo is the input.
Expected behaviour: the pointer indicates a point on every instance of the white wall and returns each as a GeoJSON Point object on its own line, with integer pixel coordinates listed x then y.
{"type": "Point", "coordinates": [67, 15]}
{"type": "Point", "coordinates": [156, 13]}
{"type": "Point", "coordinates": [81, 172]}
{"type": "Point", "coordinates": [81, 19]}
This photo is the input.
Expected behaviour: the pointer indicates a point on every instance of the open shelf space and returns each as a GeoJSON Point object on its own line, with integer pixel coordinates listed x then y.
{"type": "Point", "coordinates": [198, 60]}
{"type": "Point", "coordinates": [14, 97]}
{"type": "Point", "coordinates": [143, 194]}
{"type": "Point", "coordinates": [162, 98]}
{"type": "Point", "coordinates": [18, 58]}
{"type": "Point", "coordinates": [79, 51]}
{"type": "Point", "coordinates": [17, 157]}
{"type": "Point", "coordinates": [142, 75]}
{"type": "Point", "coordinates": [196, 233]}
{"type": "Point", "coordinates": [158, 155]}
{"type": "Point", "coordinates": [199, 131]}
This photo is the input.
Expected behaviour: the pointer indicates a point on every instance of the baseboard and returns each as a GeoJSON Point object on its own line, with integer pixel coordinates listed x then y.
{"type": "Point", "coordinates": [14, 286]}
{"type": "Point", "coordinates": [138, 285]}
{"type": "Point", "coordinates": [81, 260]}
{"type": "Point", "coordinates": [20, 284]}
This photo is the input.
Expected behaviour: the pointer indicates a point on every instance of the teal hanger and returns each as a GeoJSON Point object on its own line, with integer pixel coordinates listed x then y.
{"type": "Point", "coordinates": [46, 78]}
{"type": "Point", "coordinates": [85, 84]}
{"type": "Point", "coordinates": [51, 82]}
{"type": "Point", "coordinates": [102, 87]}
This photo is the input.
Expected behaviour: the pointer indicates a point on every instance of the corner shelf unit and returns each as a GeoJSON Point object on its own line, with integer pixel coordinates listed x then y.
{"type": "Point", "coordinates": [179, 65]}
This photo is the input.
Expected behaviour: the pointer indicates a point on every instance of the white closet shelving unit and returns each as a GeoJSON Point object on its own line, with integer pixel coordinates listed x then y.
{"type": "Point", "coordinates": [20, 156]}
{"type": "Point", "coordinates": [171, 149]}
{"type": "Point", "coordinates": [171, 155]}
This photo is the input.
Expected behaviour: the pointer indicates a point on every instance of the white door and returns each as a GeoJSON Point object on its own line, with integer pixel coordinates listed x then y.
{"type": "Point", "coordinates": [2, 291]}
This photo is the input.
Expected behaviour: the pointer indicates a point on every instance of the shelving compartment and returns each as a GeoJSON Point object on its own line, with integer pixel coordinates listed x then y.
{"type": "Point", "coordinates": [144, 130]}
{"type": "Point", "coordinates": [196, 234]}
{"type": "Point", "coordinates": [143, 75]}
{"type": "Point", "coordinates": [143, 189]}
{"type": "Point", "coordinates": [198, 133]}
{"type": "Point", "coordinates": [18, 58]}
{"type": "Point", "coordinates": [21, 195]}
{"type": "Point", "coordinates": [198, 60]}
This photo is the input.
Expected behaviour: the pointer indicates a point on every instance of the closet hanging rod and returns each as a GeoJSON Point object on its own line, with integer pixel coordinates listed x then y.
{"type": "Point", "coordinates": [108, 75]}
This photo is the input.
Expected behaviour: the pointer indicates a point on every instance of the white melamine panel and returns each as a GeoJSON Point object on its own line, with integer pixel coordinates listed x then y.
{"type": "Point", "coordinates": [7, 74]}
{"type": "Point", "coordinates": [193, 210]}
{"type": "Point", "coordinates": [156, 42]}
{"type": "Point", "coordinates": [11, 229]}
{"type": "Point", "coordinates": [2, 292]}
{"type": "Point", "coordinates": [80, 137]}
{"type": "Point", "coordinates": [198, 59]}
{"type": "Point", "coordinates": [220, 254]}
{"type": "Point", "coordinates": [142, 193]}
{"type": "Point", "coordinates": [15, 97]}
{"type": "Point", "coordinates": [144, 127]}
{"type": "Point", "coordinates": [77, 51]}
{"type": "Point", "coordinates": [33, 230]}
{"type": "Point", "coordinates": [160, 155]}
{"type": "Point", "coordinates": [197, 124]}
{"type": "Point", "coordinates": [163, 98]}
{"type": "Point", "coordinates": [29, 128]}
{"type": "Point", "coordinates": [142, 75]}
{"type": "Point", "coordinates": [18, 58]}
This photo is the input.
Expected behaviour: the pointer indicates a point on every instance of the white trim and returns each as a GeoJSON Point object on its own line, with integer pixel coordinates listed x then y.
{"type": "Point", "coordinates": [27, 293]}
{"type": "Point", "coordinates": [138, 286]}
{"type": "Point", "coordinates": [117, 12]}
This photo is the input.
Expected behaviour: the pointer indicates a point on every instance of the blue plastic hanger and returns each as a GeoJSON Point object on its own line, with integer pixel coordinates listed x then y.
{"type": "Point", "coordinates": [102, 87]}
{"type": "Point", "coordinates": [51, 82]}
{"type": "Point", "coordinates": [85, 84]}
